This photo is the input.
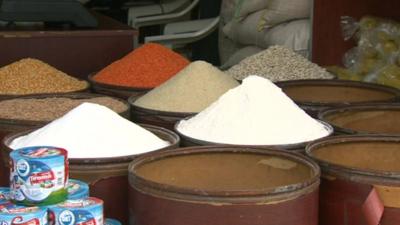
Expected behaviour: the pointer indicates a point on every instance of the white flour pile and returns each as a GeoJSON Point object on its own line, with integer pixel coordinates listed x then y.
{"type": "Point", "coordinates": [254, 113]}
{"type": "Point", "coordinates": [93, 131]}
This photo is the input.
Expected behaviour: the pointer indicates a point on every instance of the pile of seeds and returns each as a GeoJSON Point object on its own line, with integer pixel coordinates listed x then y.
{"type": "Point", "coordinates": [145, 67]}
{"type": "Point", "coordinates": [191, 90]}
{"type": "Point", "coordinates": [48, 109]}
{"type": "Point", "coordinates": [32, 76]}
{"type": "Point", "coordinates": [278, 63]}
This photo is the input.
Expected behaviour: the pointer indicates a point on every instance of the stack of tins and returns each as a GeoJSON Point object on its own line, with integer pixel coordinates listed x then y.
{"type": "Point", "coordinates": [316, 95]}
{"type": "Point", "coordinates": [107, 177]}
{"type": "Point", "coordinates": [360, 182]}
{"type": "Point", "coordinates": [223, 185]}
{"type": "Point", "coordinates": [364, 119]}
{"type": "Point", "coordinates": [8, 126]}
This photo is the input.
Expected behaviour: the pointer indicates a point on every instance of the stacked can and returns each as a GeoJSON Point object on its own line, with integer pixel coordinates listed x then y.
{"type": "Point", "coordinates": [40, 192]}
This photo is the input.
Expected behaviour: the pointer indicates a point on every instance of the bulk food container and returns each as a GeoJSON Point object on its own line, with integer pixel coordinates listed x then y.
{"type": "Point", "coordinates": [216, 185]}
{"type": "Point", "coordinates": [316, 95]}
{"type": "Point", "coordinates": [107, 177]}
{"type": "Point", "coordinates": [360, 181]}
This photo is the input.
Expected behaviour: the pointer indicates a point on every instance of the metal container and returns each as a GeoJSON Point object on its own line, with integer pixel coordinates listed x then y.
{"type": "Point", "coordinates": [360, 182]}
{"type": "Point", "coordinates": [364, 119]}
{"type": "Point", "coordinates": [316, 95]}
{"type": "Point", "coordinates": [116, 91]}
{"type": "Point", "coordinates": [8, 126]}
{"type": "Point", "coordinates": [155, 117]}
{"type": "Point", "coordinates": [223, 185]}
{"type": "Point", "coordinates": [187, 141]}
{"type": "Point", "coordinates": [107, 177]}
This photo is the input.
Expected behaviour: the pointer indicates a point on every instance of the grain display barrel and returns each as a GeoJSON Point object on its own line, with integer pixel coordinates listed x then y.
{"type": "Point", "coordinates": [223, 185]}
{"type": "Point", "coordinates": [107, 177]}
{"type": "Point", "coordinates": [114, 90]}
{"type": "Point", "coordinates": [316, 95]}
{"type": "Point", "coordinates": [187, 141]}
{"type": "Point", "coordinates": [8, 125]}
{"type": "Point", "coordinates": [364, 119]}
{"type": "Point", "coordinates": [360, 182]}
{"type": "Point", "coordinates": [155, 117]}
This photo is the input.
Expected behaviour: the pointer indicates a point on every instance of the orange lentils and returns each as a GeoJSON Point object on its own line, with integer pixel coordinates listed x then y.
{"type": "Point", "coordinates": [146, 67]}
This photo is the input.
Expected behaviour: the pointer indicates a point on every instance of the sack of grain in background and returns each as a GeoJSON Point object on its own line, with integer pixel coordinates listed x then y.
{"type": "Point", "coordinates": [253, 28]}
{"type": "Point", "coordinates": [294, 35]}
{"type": "Point", "coordinates": [239, 55]}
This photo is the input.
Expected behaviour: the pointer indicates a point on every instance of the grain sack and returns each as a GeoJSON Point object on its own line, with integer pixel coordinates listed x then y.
{"type": "Point", "coordinates": [240, 55]}
{"type": "Point", "coordinates": [250, 31]}
{"type": "Point", "coordinates": [279, 11]}
{"type": "Point", "coordinates": [253, 28]}
{"type": "Point", "coordinates": [226, 47]}
{"type": "Point", "coordinates": [246, 7]}
{"type": "Point", "coordinates": [294, 35]}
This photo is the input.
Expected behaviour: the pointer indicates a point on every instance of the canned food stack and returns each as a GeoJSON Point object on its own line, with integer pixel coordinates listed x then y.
{"type": "Point", "coordinates": [41, 192]}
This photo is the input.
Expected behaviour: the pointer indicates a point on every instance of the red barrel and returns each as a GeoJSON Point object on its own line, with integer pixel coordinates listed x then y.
{"type": "Point", "coordinates": [316, 95]}
{"type": "Point", "coordinates": [360, 182]}
{"type": "Point", "coordinates": [107, 177]}
{"type": "Point", "coordinates": [217, 185]}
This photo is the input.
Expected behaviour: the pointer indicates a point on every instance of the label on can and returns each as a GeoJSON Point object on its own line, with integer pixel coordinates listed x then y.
{"type": "Point", "coordinates": [39, 175]}
{"type": "Point", "coordinates": [111, 222]}
{"type": "Point", "coordinates": [4, 195]}
{"type": "Point", "coordinates": [77, 189]}
{"type": "Point", "coordinates": [87, 211]}
{"type": "Point", "coordinates": [11, 214]}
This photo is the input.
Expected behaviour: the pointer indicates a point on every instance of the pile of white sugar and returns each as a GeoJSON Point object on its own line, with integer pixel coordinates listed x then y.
{"type": "Point", "coordinates": [254, 113]}
{"type": "Point", "coordinates": [93, 131]}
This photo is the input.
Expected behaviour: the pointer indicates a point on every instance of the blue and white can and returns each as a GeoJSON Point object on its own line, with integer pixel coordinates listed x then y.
{"type": "Point", "coordinates": [77, 189]}
{"type": "Point", "coordinates": [38, 175]}
{"type": "Point", "coordinates": [4, 195]}
{"type": "Point", "coordinates": [111, 222]}
{"type": "Point", "coordinates": [11, 214]}
{"type": "Point", "coordinates": [87, 211]}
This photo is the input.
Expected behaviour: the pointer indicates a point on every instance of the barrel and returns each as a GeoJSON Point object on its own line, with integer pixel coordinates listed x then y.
{"type": "Point", "coordinates": [217, 185]}
{"type": "Point", "coordinates": [187, 141]}
{"type": "Point", "coordinates": [316, 95]}
{"type": "Point", "coordinates": [8, 126]}
{"type": "Point", "coordinates": [360, 181]}
{"type": "Point", "coordinates": [155, 117]}
{"type": "Point", "coordinates": [107, 177]}
{"type": "Point", "coordinates": [364, 119]}
{"type": "Point", "coordinates": [114, 90]}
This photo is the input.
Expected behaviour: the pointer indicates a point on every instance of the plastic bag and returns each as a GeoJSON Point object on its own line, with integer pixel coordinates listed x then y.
{"type": "Point", "coordinates": [376, 57]}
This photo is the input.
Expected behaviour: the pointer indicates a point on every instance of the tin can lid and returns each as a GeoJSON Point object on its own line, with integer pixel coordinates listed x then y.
{"type": "Point", "coordinates": [13, 209]}
{"type": "Point", "coordinates": [39, 152]}
{"type": "Point", "coordinates": [110, 221]}
{"type": "Point", "coordinates": [77, 189]}
{"type": "Point", "coordinates": [81, 203]}
{"type": "Point", "coordinates": [4, 195]}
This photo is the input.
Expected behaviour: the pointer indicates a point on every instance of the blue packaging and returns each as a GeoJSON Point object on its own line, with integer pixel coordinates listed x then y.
{"type": "Point", "coordinates": [77, 189]}
{"type": "Point", "coordinates": [4, 195]}
{"type": "Point", "coordinates": [111, 222]}
{"type": "Point", "coordinates": [38, 175]}
{"type": "Point", "coordinates": [87, 211]}
{"type": "Point", "coordinates": [11, 214]}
